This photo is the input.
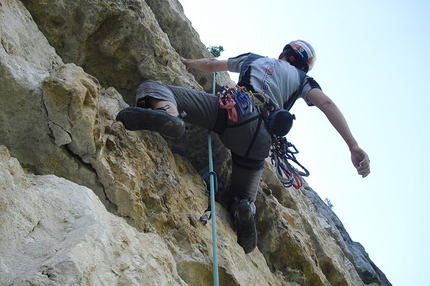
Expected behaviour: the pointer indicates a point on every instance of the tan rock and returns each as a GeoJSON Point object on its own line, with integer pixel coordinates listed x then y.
{"type": "Point", "coordinates": [59, 233]}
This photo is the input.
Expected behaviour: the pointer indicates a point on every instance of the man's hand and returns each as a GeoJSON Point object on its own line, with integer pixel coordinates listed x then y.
{"type": "Point", "coordinates": [185, 62]}
{"type": "Point", "coordinates": [361, 161]}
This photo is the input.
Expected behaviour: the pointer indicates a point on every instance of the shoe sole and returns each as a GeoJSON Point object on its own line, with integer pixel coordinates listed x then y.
{"type": "Point", "coordinates": [245, 225]}
{"type": "Point", "coordinates": [136, 118]}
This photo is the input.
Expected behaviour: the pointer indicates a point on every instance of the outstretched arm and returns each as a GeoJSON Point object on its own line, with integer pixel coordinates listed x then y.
{"type": "Point", "coordinates": [207, 65]}
{"type": "Point", "coordinates": [359, 158]}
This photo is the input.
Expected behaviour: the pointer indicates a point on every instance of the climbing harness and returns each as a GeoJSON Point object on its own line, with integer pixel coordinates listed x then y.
{"type": "Point", "coordinates": [278, 123]}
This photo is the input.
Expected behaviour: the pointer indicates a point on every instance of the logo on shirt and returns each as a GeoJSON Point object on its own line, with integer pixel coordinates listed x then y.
{"type": "Point", "coordinates": [270, 69]}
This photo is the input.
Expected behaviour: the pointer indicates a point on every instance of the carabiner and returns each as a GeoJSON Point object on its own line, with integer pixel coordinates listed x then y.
{"type": "Point", "coordinates": [244, 103]}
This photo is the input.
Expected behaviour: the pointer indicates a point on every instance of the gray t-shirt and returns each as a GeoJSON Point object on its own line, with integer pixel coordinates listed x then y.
{"type": "Point", "coordinates": [276, 79]}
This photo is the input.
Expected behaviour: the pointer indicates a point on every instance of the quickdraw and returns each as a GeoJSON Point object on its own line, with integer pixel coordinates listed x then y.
{"type": "Point", "coordinates": [205, 217]}
{"type": "Point", "coordinates": [284, 159]}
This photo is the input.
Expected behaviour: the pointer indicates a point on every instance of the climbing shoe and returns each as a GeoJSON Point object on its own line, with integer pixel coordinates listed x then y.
{"type": "Point", "coordinates": [245, 225]}
{"type": "Point", "coordinates": [137, 118]}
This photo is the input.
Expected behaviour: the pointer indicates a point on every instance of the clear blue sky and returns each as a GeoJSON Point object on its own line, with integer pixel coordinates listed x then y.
{"type": "Point", "coordinates": [372, 60]}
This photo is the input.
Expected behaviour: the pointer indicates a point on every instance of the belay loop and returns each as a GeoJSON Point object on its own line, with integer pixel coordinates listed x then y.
{"type": "Point", "coordinates": [288, 169]}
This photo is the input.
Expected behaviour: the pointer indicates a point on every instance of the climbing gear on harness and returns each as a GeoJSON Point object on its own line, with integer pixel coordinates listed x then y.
{"type": "Point", "coordinates": [284, 159]}
{"type": "Point", "coordinates": [243, 102]}
{"type": "Point", "coordinates": [278, 121]}
{"type": "Point", "coordinates": [243, 212]}
{"type": "Point", "coordinates": [137, 118]}
{"type": "Point", "coordinates": [226, 101]}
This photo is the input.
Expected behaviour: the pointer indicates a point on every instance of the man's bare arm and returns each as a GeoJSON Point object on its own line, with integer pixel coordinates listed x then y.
{"type": "Point", "coordinates": [359, 158]}
{"type": "Point", "coordinates": [207, 65]}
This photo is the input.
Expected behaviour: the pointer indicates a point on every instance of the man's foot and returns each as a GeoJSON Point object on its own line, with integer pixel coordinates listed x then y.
{"type": "Point", "coordinates": [244, 221]}
{"type": "Point", "coordinates": [136, 118]}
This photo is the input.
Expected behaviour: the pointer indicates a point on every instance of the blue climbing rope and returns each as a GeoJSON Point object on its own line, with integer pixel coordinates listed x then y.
{"type": "Point", "coordinates": [213, 188]}
{"type": "Point", "coordinates": [212, 180]}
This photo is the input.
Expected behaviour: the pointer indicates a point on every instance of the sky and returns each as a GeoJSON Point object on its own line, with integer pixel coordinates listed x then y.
{"type": "Point", "coordinates": [372, 60]}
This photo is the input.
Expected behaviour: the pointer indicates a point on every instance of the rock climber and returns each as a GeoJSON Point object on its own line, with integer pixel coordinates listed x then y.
{"type": "Point", "coordinates": [165, 109]}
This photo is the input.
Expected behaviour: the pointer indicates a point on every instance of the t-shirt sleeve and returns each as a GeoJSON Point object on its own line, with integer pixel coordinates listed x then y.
{"type": "Point", "coordinates": [234, 64]}
{"type": "Point", "coordinates": [309, 84]}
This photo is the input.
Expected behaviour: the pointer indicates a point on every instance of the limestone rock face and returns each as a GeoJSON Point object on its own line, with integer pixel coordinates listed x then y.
{"type": "Point", "coordinates": [59, 233]}
{"type": "Point", "coordinates": [121, 42]}
{"type": "Point", "coordinates": [85, 202]}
